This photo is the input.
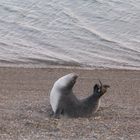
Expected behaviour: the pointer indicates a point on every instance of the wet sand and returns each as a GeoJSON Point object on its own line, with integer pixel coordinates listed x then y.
{"type": "Point", "coordinates": [24, 105]}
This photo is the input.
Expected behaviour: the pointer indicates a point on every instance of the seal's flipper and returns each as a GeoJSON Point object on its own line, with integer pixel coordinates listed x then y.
{"type": "Point", "coordinates": [51, 113]}
{"type": "Point", "coordinates": [58, 113]}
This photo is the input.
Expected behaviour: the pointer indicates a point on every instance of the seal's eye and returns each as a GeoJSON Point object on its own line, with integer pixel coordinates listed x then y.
{"type": "Point", "coordinates": [99, 90]}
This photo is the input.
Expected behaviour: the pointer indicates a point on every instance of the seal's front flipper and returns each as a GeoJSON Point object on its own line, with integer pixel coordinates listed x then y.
{"type": "Point", "coordinates": [58, 113]}
{"type": "Point", "coordinates": [51, 113]}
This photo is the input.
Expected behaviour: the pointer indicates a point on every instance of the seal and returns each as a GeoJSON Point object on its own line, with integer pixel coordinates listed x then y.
{"type": "Point", "coordinates": [64, 102]}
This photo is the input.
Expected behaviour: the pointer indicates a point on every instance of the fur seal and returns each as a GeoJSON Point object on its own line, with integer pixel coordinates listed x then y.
{"type": "Point", "coordinates": [64, 102]}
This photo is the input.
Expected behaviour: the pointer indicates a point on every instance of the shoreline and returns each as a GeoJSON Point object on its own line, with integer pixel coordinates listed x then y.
{"type": "Point", "coordinates": [68, 67]}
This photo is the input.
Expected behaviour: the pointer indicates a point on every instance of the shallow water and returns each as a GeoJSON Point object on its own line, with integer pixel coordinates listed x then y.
{"type": "Point", "coordinates": [91, 33]}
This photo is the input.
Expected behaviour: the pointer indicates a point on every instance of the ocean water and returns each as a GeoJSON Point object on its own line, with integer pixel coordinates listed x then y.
{"type": "Point", "coordinates": [83, 33]}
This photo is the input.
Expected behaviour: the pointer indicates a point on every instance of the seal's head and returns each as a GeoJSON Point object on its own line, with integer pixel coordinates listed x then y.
{"type": "Point", "coordinates": [66, 82]}
{"type": "Point", "coordinates": [100, 89]}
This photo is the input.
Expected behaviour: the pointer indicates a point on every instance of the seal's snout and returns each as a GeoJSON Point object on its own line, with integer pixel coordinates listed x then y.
{"type": "Point", "coordinates": [107, 86]}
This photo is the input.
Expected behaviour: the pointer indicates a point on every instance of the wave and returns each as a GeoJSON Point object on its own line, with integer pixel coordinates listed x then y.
{"type": "Point", "coordinates": [66, 33]}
